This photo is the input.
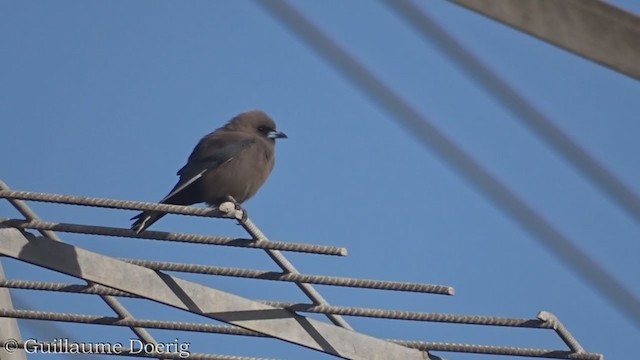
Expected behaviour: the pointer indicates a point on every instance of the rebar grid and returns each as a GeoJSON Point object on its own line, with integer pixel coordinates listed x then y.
{"type": "Point", "coordinates": [284, 264]}
{"type": "Point", "coordinates": [288, 267]}
{"type": "Point", "coordinates": [134, 205]}
{"type": "Point", "coordinates": [234, 330]}
{"type": "Point", "coordinates": [308, 308]}
{"type": "Point", "coordinates": [198, 299]}
{"type": "Point", "coordinates": [545, 320]}
{"type": "Point", "coordinates": [112, 302]}
{"type": "Point", "coordinates": [94, 349]}
{"type": "Point", "coordinates": [291, 277]}
{"type": "Point", "coordinates": [177, 237]}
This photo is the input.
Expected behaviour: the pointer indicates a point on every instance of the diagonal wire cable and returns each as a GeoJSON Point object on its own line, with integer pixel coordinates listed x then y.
{"type": "Point", "coordinates": [523, 110]}
{"type": "Point", "coordinates": [111, 301]}
{"type": "Point", "coordinates": [429, 135]}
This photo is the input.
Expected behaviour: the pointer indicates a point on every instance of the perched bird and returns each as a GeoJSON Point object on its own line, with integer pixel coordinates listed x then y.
{"type": "Point", "coordinates": [234, 160]}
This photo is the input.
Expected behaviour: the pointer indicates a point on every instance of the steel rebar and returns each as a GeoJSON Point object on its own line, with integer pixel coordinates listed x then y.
{"type": "Point", "coordinates": [561, 330]}
{"type": "Point", "coordinates": [177, 237]}
{"type": "Point", "coordinates": [310, 308]}
{"type": "Point", "coordinates": [111, 203]}
{"type": "Point", "coordinates": [112, 302]}
{"type": "Point", "coordinates": [234, 330]}
{"type": "Point", "coordinates": [292, 277]}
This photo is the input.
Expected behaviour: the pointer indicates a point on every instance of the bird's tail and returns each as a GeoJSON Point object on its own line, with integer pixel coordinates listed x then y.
{"type": "Point", "coordinates": [145, 219]}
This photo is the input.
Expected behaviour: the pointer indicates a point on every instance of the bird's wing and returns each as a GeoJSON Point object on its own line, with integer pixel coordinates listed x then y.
{"type": "Point", "coordinates": [210, 153]}
{"type": "Point", "coordinates": [182, 185]}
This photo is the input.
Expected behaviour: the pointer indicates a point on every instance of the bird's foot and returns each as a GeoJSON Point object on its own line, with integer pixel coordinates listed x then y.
{"type": "Point", "coordinates": [238, 211]}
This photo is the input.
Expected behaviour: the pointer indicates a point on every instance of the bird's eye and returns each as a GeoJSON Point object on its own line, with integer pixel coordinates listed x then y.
{"type": "Point", "coordinates": [263, 129]}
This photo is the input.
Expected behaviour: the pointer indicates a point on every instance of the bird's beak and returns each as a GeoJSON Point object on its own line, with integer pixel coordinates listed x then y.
{"type": "Point", "coordinates": [276, 135]}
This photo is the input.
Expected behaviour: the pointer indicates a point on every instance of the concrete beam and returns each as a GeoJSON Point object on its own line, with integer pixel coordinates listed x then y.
{"type": "Point", "coordinates": [593, 29]}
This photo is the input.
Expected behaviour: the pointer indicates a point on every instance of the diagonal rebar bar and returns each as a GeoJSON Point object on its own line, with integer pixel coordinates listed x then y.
{"type": "Point", "coordinates": [288, 267]}
{"type": "Point", "coordinates": [561, 330]}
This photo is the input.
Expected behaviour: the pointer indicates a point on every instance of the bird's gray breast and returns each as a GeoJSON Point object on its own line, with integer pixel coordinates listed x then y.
{"type": "Point", "coordinates": [240, 177]}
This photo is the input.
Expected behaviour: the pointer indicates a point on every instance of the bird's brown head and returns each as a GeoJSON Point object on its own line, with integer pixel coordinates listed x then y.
{"type": "Point", "coordinates": [256, 122]}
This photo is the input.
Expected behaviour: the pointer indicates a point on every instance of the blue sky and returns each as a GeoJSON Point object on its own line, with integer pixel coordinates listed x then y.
{"type": "Point", "coordinates": [107, 99]}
